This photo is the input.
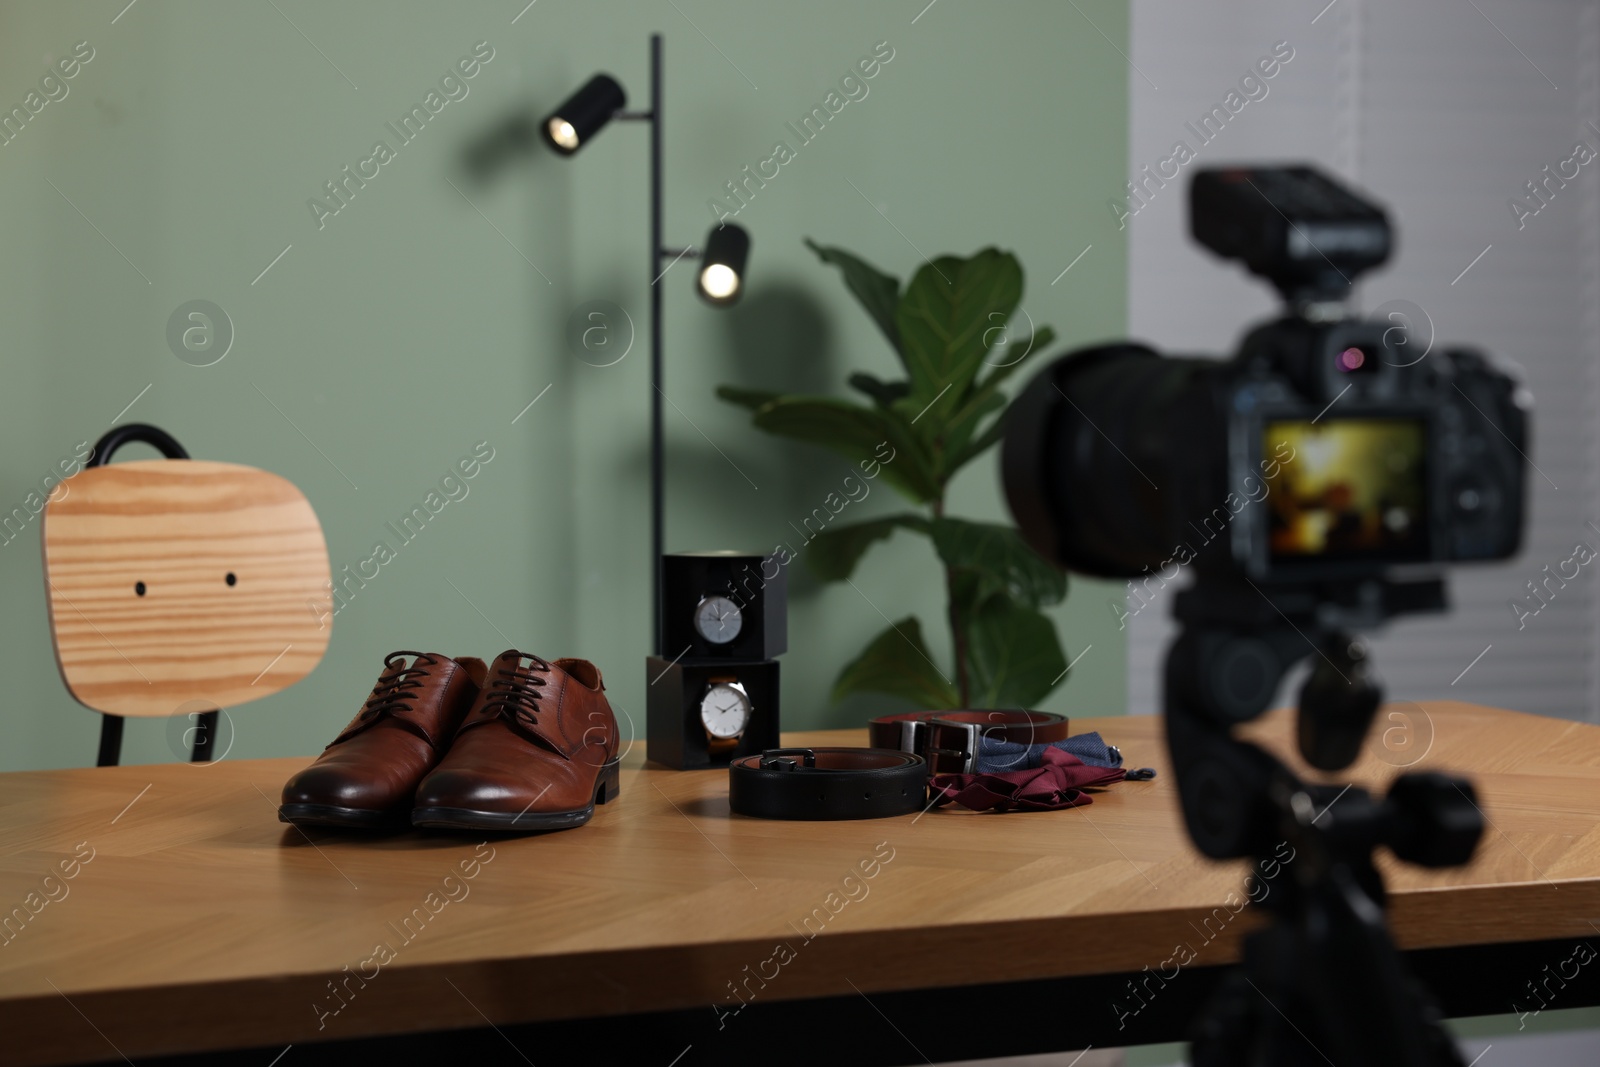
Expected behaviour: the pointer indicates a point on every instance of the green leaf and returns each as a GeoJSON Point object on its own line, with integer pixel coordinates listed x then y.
{"type": "Point", "coordinates": [878, 292]}
{"type": "Point", "coordinates": [953, 311]}
{"type": "Point", "coordinates": [1001, 562]}
{"type": "Point", "coordinates": [1014, 658]}
{"type": "Point", "coordinates": [885, 393]}
{"type": "Point", "coordinates": [981, 400]}
{"type": "Point", "coordinates": [833, 554]}
{"type": "Point", "coordinates": [858, 433]}
{"type": "Point", "coordinates": [961, 426]}
{"type": "Point", "coordinates": [754, 399]}
{"type": "Point", "coordinates": [897, 663]}
{"type": "Point", "coordinates": [976, 447]}
{"type": "Point", "coordinates": [1007, 360]}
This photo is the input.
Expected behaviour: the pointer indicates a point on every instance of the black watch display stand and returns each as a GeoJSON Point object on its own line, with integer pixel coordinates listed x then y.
{"type": "Point", "coordinates": [741, 601]}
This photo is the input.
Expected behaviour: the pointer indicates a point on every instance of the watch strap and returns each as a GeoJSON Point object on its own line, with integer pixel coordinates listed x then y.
{"type": "Point", "coordinates": [827, 783]}
{"type": "Point", "coordinates": [725, 747]}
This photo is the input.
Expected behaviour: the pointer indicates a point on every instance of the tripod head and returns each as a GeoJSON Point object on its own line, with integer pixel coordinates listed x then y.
{"type": "Point", "coordinates": [1256, 633]}
{"type": "Point", "coordinates": [1327, 961]}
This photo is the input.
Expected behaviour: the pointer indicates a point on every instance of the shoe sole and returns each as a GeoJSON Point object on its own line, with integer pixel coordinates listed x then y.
{"type": "Point", "coordinates": [438, 818]}
{"type": "Point", "coordinates": [333, 815]}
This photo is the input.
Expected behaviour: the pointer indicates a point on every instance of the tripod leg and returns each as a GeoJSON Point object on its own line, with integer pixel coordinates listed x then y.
{"type": "Point", "coordinates": [1226, 1034]}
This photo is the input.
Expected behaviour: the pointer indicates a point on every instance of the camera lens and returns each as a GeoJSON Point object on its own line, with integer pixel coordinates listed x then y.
{"type": "Point", "coordinates": [1102, 459]}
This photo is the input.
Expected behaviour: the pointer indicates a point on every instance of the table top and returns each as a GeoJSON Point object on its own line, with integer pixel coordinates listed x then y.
{"type": "Point", "coordinates": [164, 908]}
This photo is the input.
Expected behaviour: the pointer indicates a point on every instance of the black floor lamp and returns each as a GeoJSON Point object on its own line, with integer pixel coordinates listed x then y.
{"type": "Point", "coordinates": [719, 280]}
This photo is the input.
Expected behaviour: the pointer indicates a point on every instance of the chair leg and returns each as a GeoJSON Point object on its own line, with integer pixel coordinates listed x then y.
{"type": "Point", "coordinates": [205, 738]}
{"type": "Point", "coordinates": [110, 741]}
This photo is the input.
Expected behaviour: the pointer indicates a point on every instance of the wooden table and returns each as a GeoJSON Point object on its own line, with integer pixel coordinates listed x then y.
{"type": "Point", "coordinates": [201, 922]}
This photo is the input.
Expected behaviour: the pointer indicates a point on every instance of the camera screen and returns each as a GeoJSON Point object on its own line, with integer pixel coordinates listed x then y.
{"type": "Point", "coordinates": [1347, 489]}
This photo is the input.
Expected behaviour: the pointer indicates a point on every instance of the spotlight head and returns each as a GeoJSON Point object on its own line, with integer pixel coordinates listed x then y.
{"type": "Point", "coordinates": [718, 282]}
{"type": "Point", "coordinates": [561, 134]}
{"type": "Point", "coordinates": [721, 276]}
{"type": "Point", "coordinates": [583, 114]}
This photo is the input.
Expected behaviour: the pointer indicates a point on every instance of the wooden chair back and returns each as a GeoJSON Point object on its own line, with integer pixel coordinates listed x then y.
{"type": "Point", "coordinates": [176, 583]}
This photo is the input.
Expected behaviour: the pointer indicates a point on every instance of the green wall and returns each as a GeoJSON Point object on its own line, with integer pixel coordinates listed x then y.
{"type": "Point", "coordinates": [385, 344]}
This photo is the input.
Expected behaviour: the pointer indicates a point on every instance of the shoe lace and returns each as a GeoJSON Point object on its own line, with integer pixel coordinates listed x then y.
{"type": "Point", "coordinates": [513, 692]}
{"type": "Point", "coordinates": [395, 691]}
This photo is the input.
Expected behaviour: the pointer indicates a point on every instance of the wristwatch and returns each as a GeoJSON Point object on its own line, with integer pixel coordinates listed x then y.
{"type": "Point", "coordinates": [725, 713]}
{"type": "Point", "coordinates": [717, 619]}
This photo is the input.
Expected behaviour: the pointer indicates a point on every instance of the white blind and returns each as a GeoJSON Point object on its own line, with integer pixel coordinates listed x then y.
{"type": "Point", "coordinates": [1442, 112]}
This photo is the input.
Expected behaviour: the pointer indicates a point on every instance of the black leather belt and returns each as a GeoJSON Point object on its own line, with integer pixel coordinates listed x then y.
{"type": "Point", "coordinates": [949, 740]}
{"type": "Point", "coordinates": [827, 783]}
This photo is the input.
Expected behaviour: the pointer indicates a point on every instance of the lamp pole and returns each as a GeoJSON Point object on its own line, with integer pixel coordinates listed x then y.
{"type": "Point", "coordinates": [582, 115]}
{"type": "Point", "coordinates": [658, 474]}
{"type": "Point", "coordinates": [658, 254]}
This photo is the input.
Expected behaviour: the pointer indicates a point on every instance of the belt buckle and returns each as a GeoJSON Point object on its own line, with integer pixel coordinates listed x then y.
{"type": "Point", "coordinates": [774, 759]}
{"type": "Point", "coordinates": [927, 738]}
{"type": "Point", "coordinates": [913, 736]}
{"type": "Point", "coordinates": [938, 737]}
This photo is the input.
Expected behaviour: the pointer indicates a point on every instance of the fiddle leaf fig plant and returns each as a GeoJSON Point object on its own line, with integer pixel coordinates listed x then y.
{"type": "Point", "coordinates": [939, 411]}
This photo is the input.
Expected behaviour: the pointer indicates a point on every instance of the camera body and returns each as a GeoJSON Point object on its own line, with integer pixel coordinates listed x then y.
{"type": "Point", "coordinates": [1325, 451]}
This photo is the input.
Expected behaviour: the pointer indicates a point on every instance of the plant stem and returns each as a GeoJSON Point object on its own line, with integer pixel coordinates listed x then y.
{"type": "Point", "coordinates": [958, 636]}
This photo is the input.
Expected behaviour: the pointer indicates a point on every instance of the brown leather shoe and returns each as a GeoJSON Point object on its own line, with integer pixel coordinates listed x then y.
{"type": "Point", "coordinates": [537, 752]}
{"type": "Point", "coordinates": [369, 774]}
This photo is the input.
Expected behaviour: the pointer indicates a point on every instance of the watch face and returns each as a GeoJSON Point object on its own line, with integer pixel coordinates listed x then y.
{"type": "Point", "coordinates": [717, 619]}
{"type": "Point", "coordinates": [725, 710]}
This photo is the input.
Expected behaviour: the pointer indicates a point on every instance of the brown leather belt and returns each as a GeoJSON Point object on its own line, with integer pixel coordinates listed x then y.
{"type": "Point", "coordinates": [949, 740]}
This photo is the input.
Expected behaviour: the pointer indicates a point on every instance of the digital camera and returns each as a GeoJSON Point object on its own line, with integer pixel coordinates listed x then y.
{"type": "Point", "coordinates": [1325, 451]}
